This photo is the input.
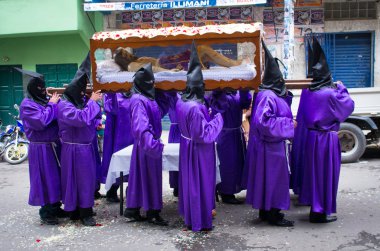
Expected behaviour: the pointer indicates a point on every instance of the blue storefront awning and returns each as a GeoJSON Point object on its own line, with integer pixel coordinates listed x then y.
{"type": "Point", "coordinates": [98, 5]}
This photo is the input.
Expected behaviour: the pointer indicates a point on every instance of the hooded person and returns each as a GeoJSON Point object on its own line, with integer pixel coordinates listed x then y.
{"type": "Point", "coordinates": [272, 127]}
{"type": "Point", "coordinates": [39, 116]}
{"type": "Point", "coordinates": [75, 93]}
{"type": "Point", "coordinates": [298, 144]}
{"type": "Point", "coordinates": [117, 134]}
{"type": "Point", "coordinates": [231, 147]}
{"type": "Point", "coordinates": [197, 164]}
{"type": "Point", "coordinates": [174, 136]}
{"type": "Point", "coordinates": [77, 121]}
{"type": "Point", "coordinates": [145, 174]}
{"type": "Point", "coordinates": [325, 105]}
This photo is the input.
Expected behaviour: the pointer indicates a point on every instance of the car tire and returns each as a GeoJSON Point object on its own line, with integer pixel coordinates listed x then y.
{"type": "Point", "coordinates": [352, 142]}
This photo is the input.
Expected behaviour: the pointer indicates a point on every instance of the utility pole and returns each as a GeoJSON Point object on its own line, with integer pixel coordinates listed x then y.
{"type": "Point", "coordinates": [288, 38]}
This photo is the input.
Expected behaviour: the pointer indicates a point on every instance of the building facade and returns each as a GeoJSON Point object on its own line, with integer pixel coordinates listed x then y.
{"type": "Point", "coordinates": [50, 37]}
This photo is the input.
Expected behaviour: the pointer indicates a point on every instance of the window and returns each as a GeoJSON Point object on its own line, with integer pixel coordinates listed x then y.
{"type": "Point", "coordinates": [56, 75]}
{"type": "Point", "coordinates": [350, 10]}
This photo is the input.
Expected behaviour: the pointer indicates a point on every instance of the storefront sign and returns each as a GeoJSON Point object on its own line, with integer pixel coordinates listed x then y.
{"type": "Point", "coordinates": [155, 5]}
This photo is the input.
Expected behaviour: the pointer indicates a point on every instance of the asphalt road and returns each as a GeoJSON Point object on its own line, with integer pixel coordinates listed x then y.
{"type": "Point", "coordinates": [236, 227]}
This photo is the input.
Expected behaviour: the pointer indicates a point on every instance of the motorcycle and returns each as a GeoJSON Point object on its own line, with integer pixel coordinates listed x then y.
{"type": "Point", "coordinates": [14, 146]}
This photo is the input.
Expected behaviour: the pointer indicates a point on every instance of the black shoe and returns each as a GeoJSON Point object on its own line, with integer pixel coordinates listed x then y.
{"type": "Point", "coordinates": [207, 229]}
{"type": "Point", "coordinates": [276, 218]}
{"type": "Point", "coordinates": [113, 199]}
{"type": "Point", "coordinates": [153, 216]}
{"type": "Point", "coordinates": [74, 215]}
{"type": "Point", "coordinates": [282, 223]}
{"type": "Point", "coordinates": [98, 196]}
{"type": "Point", "coordinates": [264, 215]}
{"type": "Point", "coordinates": [175, 192]}
{"type": "Point", "coordinates": [49, 220]}
{"type": "Point", "coordinates": [111, 194]}
{"type": "Point", "coordinates": [88, 221]}
{"type": "Point", "coordinates": [60, 213]}
{"type": "Point", "coordinates": [321, 218]}
{"type": "Point", "coordinates": [230, 199]}
{"type": "Point", "coordinates": [134, 214]}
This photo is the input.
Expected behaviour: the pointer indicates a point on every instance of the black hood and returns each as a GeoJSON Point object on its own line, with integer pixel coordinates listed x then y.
{"type": "Point", "coordinates": [76, 90]}
{"type": "Point", "coordinates": [273, 79]}
{"type": "Point", "coordinates": [321, 72]}
{"type": "Point", "coordinates": [36, 89]}
{"type": "Point", "coordinates": [310, 62]}
{"type": "Point", "coordinates": [83, 74]}
{"type": "Point", "coordinates": [195, 87]}
{"type": "Point", "coordinates": [143, 82]}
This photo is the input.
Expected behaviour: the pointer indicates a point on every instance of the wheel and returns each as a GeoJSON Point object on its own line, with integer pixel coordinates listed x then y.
{"type": "Point", "coordinates": [13, 156]}
{"type": "Point", "coordinates": [352, 142]}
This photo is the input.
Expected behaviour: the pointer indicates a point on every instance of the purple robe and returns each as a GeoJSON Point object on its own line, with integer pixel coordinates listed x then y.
{"type": "Point", "coordinates": [98, 159]}
{"type": "Point", "coordinates": [77, 133]}
{"type": "Point", "coordinates": [145, 174]}
{"type": "Point", "coordinates": [230, 142]}
{"type": "Point", "coordinates": [174, 133]}
{"type": "Point", "coordinates": [117, 107]}
{"type": "Point", "coordinates": [246, 170]}
{"type": "Point", "coordinates": [298, 148]}
{"type": "Point", "coordinates": [325, 109]}
{"type": "Point", "coordinates": [268, 180]}
{"type": "Point", "coordinates": [197, 164]}
{"type": "Point", "coordinates": [41, 129]}
{"type": "Point", "coordinates": [109, 132]}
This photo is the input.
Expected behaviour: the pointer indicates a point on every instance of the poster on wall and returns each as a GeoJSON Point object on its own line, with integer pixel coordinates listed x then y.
{"type": "Point", "coordinates": [147, 16]}
{"type": "Point", "coordinates": [189, 17]}
{"type": "Point", "coordinates": [302, 17]}
{"type": "Point", "coordinates": [168, 15]}
{"type": "Point", "coordinates": [306, 20]}
{"type": "Point", "coordinates": [201, 14]}
{"type": "Point", "coordinates": [317, 17]}
{"type": "Point", "coordinates": [298, 3]}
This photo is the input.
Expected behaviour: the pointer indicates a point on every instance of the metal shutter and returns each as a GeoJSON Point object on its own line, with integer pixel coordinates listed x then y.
{"type": "Point", "coordinates": [350, 57]}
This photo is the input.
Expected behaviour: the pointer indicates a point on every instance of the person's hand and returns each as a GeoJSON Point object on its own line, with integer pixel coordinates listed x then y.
{"type": "Point", "coordinates": [48, 89]}
{"type": "Point", "coordinates": [54, 98]}
{"type": "Point", "coordinates": [295, 123]}
{"type": "Point", "coordinates": [96, 96]}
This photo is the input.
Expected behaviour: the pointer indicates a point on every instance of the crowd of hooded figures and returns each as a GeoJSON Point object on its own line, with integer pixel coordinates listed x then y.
{"type": "Point", "coordinates": [65, 166]}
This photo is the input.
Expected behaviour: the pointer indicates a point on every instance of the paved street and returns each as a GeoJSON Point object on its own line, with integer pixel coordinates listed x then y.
{"type": "Point", "coordinates": [236, 227]}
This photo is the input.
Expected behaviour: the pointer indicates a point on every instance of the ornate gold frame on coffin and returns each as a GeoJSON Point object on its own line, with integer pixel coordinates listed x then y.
{"type": "Point", "coordinates": [176, 36]}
